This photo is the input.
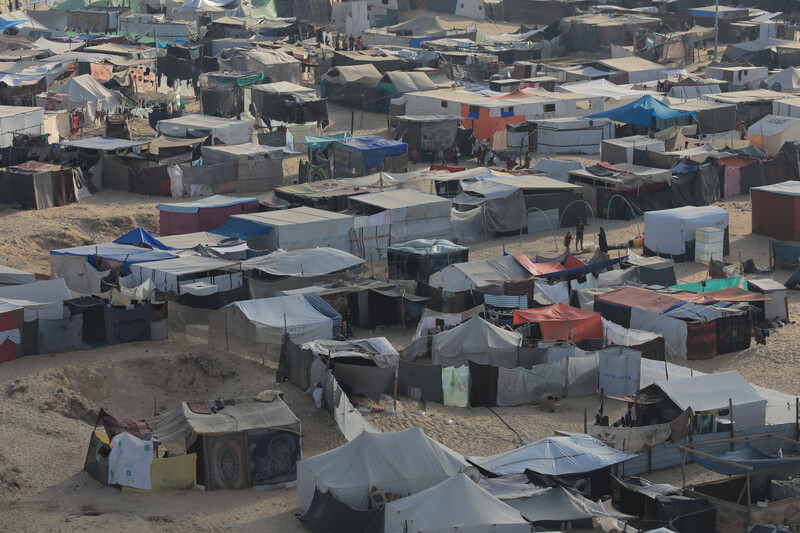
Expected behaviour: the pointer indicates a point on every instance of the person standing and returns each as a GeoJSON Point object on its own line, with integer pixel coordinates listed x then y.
{"type": "Point", "coordinates": [527, 163]}
{"type": "Point", "coordinates": [602, 242]}
{"type": "Point", "coordinates": [567, 240]}
{"type": "Point", "coordinates": [579, 235]}
{"type": "Point", "coordinates": [360, 43]}
{"type": "Point", "coordinates": [455, 156]}
{"type": "Point", "coordinates": [352, 41]}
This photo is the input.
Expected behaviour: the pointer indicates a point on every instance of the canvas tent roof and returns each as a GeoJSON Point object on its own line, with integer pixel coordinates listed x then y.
{"type": "Point", "coordinates": [667, 231]}
{"type": "Point", "coordinates": [557, 504]}
{"type": "Point", "coordinates": [408, 82]}
{"type": "Point", "coordinates": [399, 199]}
{"type": "Point", "coordinates": [553, 456]}
{"type": "Point", "coordinates": [630, 296]}
{"type": "Point", "coordinates": [642, 111]}
{"type": "Point", "coordinates": [274, 316]}
{"type": "Point", "coordinates": [179, 428]}
{"type": "Point", "coordinates": [13, 276]}
{"type": "Point", "coordinates": [304, 263]}
{"type": "Point", "coordinates": [602, 87]}
{"type": "Point", "coordinates": [402, 462]}
{"type": "Point", "coordinates": [43, 299]}
{"type": "Point", "coordinates": [788, 79]}
{"type": "Point", "coordinates": [467, 276]}
{"type": "Point", "coordinates": [364, 75]}
{"type": "Point", "coordinates": [786, 188]}
{"type": "Point", "coordinates": [194, 206]}
{"type": "Point", "coordinates": [711, 392]}
{"type": "Point", "coordinates": [454, 505]}
{"type": "Point", "coordinates": [476, 336]}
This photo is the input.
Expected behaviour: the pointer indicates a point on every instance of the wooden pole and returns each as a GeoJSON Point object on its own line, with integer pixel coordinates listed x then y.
{"type": "Point", "coordinates": [403, 308]}
{"type": "Point", "coordinates": [352, 121]}
{"type": "Point", "coordinates": [585, 420]}
{"type": "Point", "coordinates": [683, 466]}
{"type": "Point", "coordinates": [730, 415]}
{"type": "Point", "coordinates": [748, 492]}
{"type": "Point", "coordinates": [797, 418]}
{"type": "Point", "coordinates": [396, 378]}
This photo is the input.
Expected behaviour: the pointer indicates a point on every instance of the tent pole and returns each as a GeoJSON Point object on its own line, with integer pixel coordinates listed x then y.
{"type": "Point", "coordinates": [730, 415]}
{"type": "Point", "coordinates": [396, 378]}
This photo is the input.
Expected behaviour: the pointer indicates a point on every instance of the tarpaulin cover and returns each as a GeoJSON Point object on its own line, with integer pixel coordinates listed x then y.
{"type": "Point", "coordinates": [273, 455]}
{"type": "Point", "coordinates": [632, 439]}
{"type": "Point", "coordinates": [64, 335]}
{"type": "Point", "coordinates": [562, 322]}
{"type": "Point", "coordinates": [420, 382]}
{"type": "Point", "coordinates": [212, 201]}
{"type": "Point", "coordinates": [455, 386]}
{"type": "Point", "coordinates": [549, 378]}
{"type": "Point", "coordinates": [785, 255]}
{"type": "Point", "coordinates": [13, 276]}
{"type": "Point", "coordinates": [737, 294]}
{"type": "Point", "coordinates": [694, 185]}
{"type": "Point", "coordinates": [549, 267]}
{"type": "Point", "coordinates": [402, 462]}
{"type": "Point", "coordinates": [708, 285]}
{"type": "Point", "coordinates": [273, 316]}
{"type": "Point", "coordinates": [374, 149]}
{"type": "Point", "coordinates": [637, 297]}
{"type": "Point", "coordinates": [747, 455]}
{"type": "Point", "coordinates": [583, 374]}
{"type": "Point", "coordinates": [558, 505]}
{"type": "Point", "coordinates": [642, 111]}
{"type": "Point", "coordinates": [141, 236]}
{"type": "Point", "coordinates": [674, 330]}
{"type": "Point", "coordinates": [305, 263]}
{"type": "Point", "coordinates": [479, 341]}
{"type": "Point", "coordinates": [127, 325]}
{"type": "Point", "coordinates": [619, 374]}
{"type": "Point", "coordinates": [41, 300]}
{"type": "Point", "coordinates": [123, 253]}
{"type": "Point", "coordinates": [483, 385]}
{"type": "Point", "coordinates": [101, 143]}
{"type": "Point", "coordinates": [328, 514]}
{"type": "Point", "coordinates": [467, 276]}
{"type": "Point", "coordinates": [553, 456]}
{"type": "Point", "coordinates": [368, 380]}
{"type": "Point", "coordinates": [457, 504]}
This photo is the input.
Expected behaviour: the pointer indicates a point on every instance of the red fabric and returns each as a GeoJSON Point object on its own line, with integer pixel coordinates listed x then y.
{"type": "Point", "coordinates": [8, 351]}
{"type": "Point", "coordinates": [539, 269]}
{"type": "Point", "coordinates": [562, 322]}
{"type": "Point", "coordinates": [659, 302]}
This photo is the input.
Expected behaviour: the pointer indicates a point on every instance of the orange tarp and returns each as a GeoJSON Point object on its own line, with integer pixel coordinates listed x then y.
{"type": "Point", "coordinates": [548, 267]}
{"type": "Point", "coordinates": [562, 322]}
{"type": "Point", "coordinates": [659, 302]}
{"type": "Point", "coordinates": [737, 294]}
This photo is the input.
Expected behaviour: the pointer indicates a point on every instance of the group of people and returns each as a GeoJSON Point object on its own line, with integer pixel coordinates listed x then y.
{"type": "Point", "coordinates": [348, 43]}
{"type": "Point", "coordinates": [602, 241]}
{"type": "Point", "coordinates": [430, 153]}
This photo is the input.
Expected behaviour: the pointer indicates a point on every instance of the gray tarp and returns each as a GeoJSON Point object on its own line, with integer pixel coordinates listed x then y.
{"type": "Point", "coordinates": [304, 263]}
{"type": "Point", "coordinates": [368, 380]}
{"type": "Point", "coordinates": [478, 341]}
{"type": "Point", "coordinates": [503, 205]}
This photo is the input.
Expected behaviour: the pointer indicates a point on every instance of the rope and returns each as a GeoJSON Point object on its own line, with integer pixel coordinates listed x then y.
{"type": "Point", "coordinates": [521, 440]}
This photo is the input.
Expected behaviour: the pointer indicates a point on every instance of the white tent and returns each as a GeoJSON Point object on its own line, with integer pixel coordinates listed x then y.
{"type": "Point", "coordinates": [553, 456]}
{"type": "Point", "coordinates": [403, 462]}
{"type": "Point", "coordinates": [572, 135]}
{"type": "Point", "coordinates": [775, 130]}
{"type": "Point", "coordinates": [294, 315]}
{"type": "Point", "coordinates": [479, 341]}
{"type": "Point", "coordinates": [171, 275]}
{"type": "Point", "coordinates": [83, 92]}
{"type": "Point", "coordinates": [44, 299]}
{"type": "Point", "coordinates": [457, 505]}
{"type": "Point", "coordinates": [13, 276]}
{"type": "Point", "coordinates": [713, 392]}
{"type": "Point", "coordinates": [19, 119]}
{"type": "Point", "coordinates": [413, 214]}
{"type": "Point", "coordinates": [303, 263]}
{"type": "Point", "coordinates": [556, 168]}
{"type": "Point", "coordinates": [222, 130]}
{"type": "Point", "coordinates": [672, 231]}
{"type": "Point", "coordinates": [785, 81]}
{"type": "Point", "coordinates": [467, 276]}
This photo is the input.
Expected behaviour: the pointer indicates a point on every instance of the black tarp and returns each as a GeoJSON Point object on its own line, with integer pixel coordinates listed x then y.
{"type": "Point", "coordinates": [419, 382]}
{"type": "Point", "coordinates": [96, 463]}
{"type": "Point", "coordinates": [685, 515]}
{"type": "Point", "coordinates": [615, 313]}
{"type": "Point", "coordinates": [662, 276]}
{"type": "Point", "coordinates": [273, 456]}
{"type": "Point", "coordinates": [127, 325]}
{"type": "Point", "coordinates": [295, 365]}
{"type": "Point", "coordinates": [589, 484]}
{"type": "Point", "coordinates": [366, 379]}
{"type": "Point", "coordinates": [483, 389]}
{"type": "Point", "coordinates": [94, 323]}
{"type": "Point", "coordinates": [30, 337]}
{"type": "Point", "coordinates": [327, 514]}
{"type": "Point", "coordinates": [695, 185]}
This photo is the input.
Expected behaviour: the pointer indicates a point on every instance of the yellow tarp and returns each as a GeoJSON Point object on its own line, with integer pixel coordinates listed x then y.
{"type": "Point", "coordinates": [172, 473]}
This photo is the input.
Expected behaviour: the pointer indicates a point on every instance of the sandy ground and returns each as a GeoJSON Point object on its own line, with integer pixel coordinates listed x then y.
{"type": "Point", "coordinates": [49, 401]}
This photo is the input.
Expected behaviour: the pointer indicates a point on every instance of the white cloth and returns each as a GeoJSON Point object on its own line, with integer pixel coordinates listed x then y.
{"type": "Point", "coordinates": [10, 335]}
{"type": "Point", "coordinates": [129, 462]}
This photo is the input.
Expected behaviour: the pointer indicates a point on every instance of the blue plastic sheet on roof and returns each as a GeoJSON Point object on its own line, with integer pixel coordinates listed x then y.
{"type": "Point", "coordinates": [642, 111]}
{"type": "Point", "coordinates": [6, 24]}
{"type": "Point", "coordinates": [375, 149]}
{"type": "Point", "coordinates": [683, 168]}
{"type": "Point", "coordinates": [241, 228]}
{"type": "Point", "coordinates": [124, 253]}
{"type": "Point", "coordinates": [747, 455]}
{"type": "Point", "coordinates": [140, 236]}
{"type": "Point", "coordinates": [211, 201]}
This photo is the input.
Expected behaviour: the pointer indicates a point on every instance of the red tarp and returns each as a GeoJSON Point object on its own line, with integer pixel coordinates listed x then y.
{"type": "Point", "coordinates": [654, 301]}
{"type": "Point", "coordinates": [562, 322]}
{"type": "Point", "coordinates": [540, 269]}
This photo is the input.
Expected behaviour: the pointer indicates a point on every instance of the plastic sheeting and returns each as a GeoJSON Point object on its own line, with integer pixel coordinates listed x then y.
{"type": "Point", "coordinates": [553, 456]}
{"type": "Point", "coordinates": [347, 417]}
{"type": "Point", "coordinates": [549, 378]}
{"type": "Point", "coordinates": [619, 374]}
{"type": "Point", "coordinates": [562, 322]}
{"type": "Point", "coordinates": [616, 334]}
{"type": "Point", "coordinates": [272, 317]}
{"type": "Point", "coordinates": [402, 462]}
{"type": "Point", "coordinates": [631, 439]}
{"type": "Point", "coordinates": [583, 374]}
{"type": "Point", "coordinates": [479, 341]}
{"type": "Point", "coordinates": [675, 331]}
{"type": "Point", "coordinates": [642, 112]}
{"type": "Point", "coordinates": [127, 324]}
{"type": "Point", "coordinates": [455, 386]}
{"type": "Point", "coordinates": [305, 263]}
{"type": "Point", "coordinates": [64, 335]}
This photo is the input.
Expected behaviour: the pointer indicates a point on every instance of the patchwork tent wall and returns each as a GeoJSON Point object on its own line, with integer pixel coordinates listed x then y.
{"type": "Point", "coordinates": [411, 213]}
{"type": "Point", "coordinates": [258, 168]}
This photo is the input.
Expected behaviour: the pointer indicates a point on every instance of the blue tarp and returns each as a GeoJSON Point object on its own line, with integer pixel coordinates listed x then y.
{"type": "Point", "coordinates": [747, 455]}
{"type": "Point", "coordinates": [123, 253]}
{"type": "Point", "coordinates": [140, 236]}
{"type": "Point", "coordinates": [788, 254]}
{"type": "Point", "coordinates": [375, 149]}
{"type": "Point", "coordinates": [642, 111]}
{"type": "Point", "coordinates": [241, 228]}
{"type": "Point", "coordinates": [211, 201]}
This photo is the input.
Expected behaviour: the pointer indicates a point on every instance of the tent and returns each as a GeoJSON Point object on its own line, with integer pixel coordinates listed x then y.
{"type": "Point", "coordinates": [11, 328]}
{"type": "Point", "coordinates": [82, 92]}
{"type": "Point", "coordinates": [562, 322]}
{"type": "Point", "coordinates": [291, 229]}
{"type": "Point", "coordinates": [420, 258]}
{"type": "Point", "coordinates": [240, 443]}
{"type": "Point", "coordinates": [173, 275]}
{"type": "Point", "coordinates": [39, 185]}
{"type": "Point", "coordinates": [776, 210]}
{"type": "Point", "coordinates": [13, 276]}
{"type": "Point", "coordinates": [69, 263]}
{"type": "Point", "coordinates": [141, 237]}
{"type": "Point", "coordinates": [713, 392]}
{"type": "Point", "coordinates": [205, 214]}
{"type": "Point", "coordinates": [785, 81]}
{"type": "Point", "coordinates": [308, 263]}
{"type": "Point", "coordinates": [454, 505]}
{"type": "Point", "coordinates": [276, 65]}
{"type": "Point", "coordinates": [653, 270]}
{"type": "Point", "coordinates": [772, 131]}
{"type": "Point", "coordinates": [18, 119]}
{"type": "Point", "coordinates": [478, 341]}
{"type": "Point", "coordinates": [693, 184]}
{"type": "Point", "coordinates": [402, 463]}
{"type": "Point", "coordinates": [572, 135]}
{"type": "Point", "coordinates": [41, 300]}
{"type": "Point", "coordinates": [778, 306]}
{"type": "Point", "coordinates": [498, 208]}
{"type": "Point", "coordinates": [671, 232]}
{"type": "Point", "coordinates": [553, 456]}
{"type": "Point", "coordinates": [359, 156]}
{"type": "Point", "coordinates": [621, 150]}
{"type": "Point", "coordinates": [556, 168]}
{"type": "Point", "coordinates": [471, 275]}
{"type": "Point", "coordinates": [642, 112]}
{"type": "Point", "coordinates": [557, 505]}
{"type": "Point", "coordinates": [267, 320]}
{"type": "Point", "coordinates": [259, 168]}
{"type": "Point", "coordinates": [221, 130]}
{"type": "Point", "coordinates": [412, 214]}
